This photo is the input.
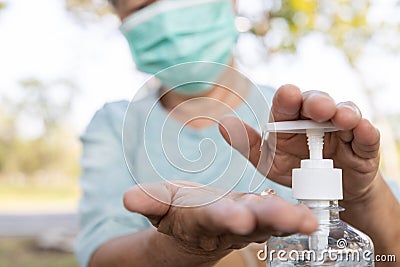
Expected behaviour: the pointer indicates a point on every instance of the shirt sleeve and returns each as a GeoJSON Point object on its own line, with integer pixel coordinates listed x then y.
{"type": "Point", "coordinates": [394, 186]}
{"type": "Point", "coordinates": [105, 177]}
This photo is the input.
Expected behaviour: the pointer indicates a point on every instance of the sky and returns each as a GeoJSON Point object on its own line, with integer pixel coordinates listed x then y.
{"type": "Point", "coordinates": [40, 39]}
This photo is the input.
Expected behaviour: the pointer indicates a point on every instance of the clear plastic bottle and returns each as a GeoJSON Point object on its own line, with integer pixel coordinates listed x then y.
{"type": "Point", "coordinates": [342, 246]}
{"type": "Point", "coordinates": [318, 186]}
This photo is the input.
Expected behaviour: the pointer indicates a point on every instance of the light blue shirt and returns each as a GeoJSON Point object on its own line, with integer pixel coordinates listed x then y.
{"type": "Point", "coordinates": [150, 151]}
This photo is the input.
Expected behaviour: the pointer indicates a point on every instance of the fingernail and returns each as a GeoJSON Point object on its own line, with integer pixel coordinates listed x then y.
{"type": "Point", "coordinates": [319, 94]}
{"type": "Point", "coordinates": [350, 105]}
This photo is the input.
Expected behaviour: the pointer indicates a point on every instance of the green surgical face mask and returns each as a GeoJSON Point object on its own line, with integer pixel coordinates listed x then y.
{"type": "Point", "coordinates": [171, 32]}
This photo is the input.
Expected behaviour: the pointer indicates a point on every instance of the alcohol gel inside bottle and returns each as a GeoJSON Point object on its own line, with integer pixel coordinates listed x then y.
{"type": "Point", "coordinates": [318, 185]}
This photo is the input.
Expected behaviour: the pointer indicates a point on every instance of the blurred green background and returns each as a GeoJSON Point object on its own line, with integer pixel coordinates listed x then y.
{"type": "Point", "coordinates": [42, 114]}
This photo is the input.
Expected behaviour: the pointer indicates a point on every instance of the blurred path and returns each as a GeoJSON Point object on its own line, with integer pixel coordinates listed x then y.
{"type": "Point", "coordinates": [37, 224]}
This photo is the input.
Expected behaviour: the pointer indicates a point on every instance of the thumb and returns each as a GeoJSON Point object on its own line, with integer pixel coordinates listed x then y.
{"type": "Point", "coordinates": [151, 200]}
{"type": "Point", "coordinates": [242, 137]}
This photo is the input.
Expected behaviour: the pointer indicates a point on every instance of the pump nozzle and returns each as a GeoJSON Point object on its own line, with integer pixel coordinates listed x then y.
{"type": "Point", "coordinates": [315, 143]}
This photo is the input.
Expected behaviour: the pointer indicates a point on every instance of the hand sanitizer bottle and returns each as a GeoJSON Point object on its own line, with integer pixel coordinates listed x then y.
{"type": "Point", "coordinates": [318, 185]}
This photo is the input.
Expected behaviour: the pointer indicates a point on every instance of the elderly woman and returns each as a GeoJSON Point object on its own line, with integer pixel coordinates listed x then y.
{"type": "Point", "coordinates": [167, 217]}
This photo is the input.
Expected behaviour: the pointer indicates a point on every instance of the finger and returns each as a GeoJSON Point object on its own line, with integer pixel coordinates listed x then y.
{"type": "Point", "coordinates": [366, 140]}
{"type": "Point", "coordinates": [286, 103]}
{"type": "Point", "coordinates": [150, 200]}
{"type": "Point", "coordinates": [345, 136]}
{"type": "Point", "coordinates": [295, 219]}
{"type": "Point", "coordinates": [280, 215]}
{"type": "Point", "coordinates": [227, 215]}
{"type": "Point", "coordinates": [347, 116]}
{"type": "Point", "coordinates": [318, 106]}
{"type": "Point", "coordinates": [242, 137]}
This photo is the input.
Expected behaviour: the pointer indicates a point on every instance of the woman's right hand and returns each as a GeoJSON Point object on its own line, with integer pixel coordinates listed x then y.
{"type": "Point", "coordinates": [214, 229]}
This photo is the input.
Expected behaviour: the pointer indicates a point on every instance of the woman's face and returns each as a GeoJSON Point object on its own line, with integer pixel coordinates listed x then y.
{"type": "Point", "coordinates": [167, 33]}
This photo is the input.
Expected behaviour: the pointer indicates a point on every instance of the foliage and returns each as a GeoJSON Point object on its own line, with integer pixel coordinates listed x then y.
{"type": "Point", "coordinates": [48, 103]}
{"type": "Point", "coordinates": [343, 23]}
{"type": "Point", "coordinates": [49, 152]}
{"type": "Point", "coordinates": [349, 26]}
{"type": "Point", "coordinates": [97, 7]}
{"type": "Point", "coordinates": [54, 148]}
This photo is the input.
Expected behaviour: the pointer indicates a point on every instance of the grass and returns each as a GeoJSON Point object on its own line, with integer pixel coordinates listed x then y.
{"type": "Point", "coordinates": [38, 193]}
{"type": "Point", "coordinates": [38, 198]}
{"type": "Point", "coordinates": [22, 252]}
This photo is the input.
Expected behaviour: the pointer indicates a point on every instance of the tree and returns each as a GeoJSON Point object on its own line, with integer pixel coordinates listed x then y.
{"type": "Point", "coordinates": [45, 106]}
{"type": "Point", "coordinates": [344, 24]}
{"type": "Point", "coordinates": [97, 7]}
{"type": "Point", "coordinates": [49, 103]}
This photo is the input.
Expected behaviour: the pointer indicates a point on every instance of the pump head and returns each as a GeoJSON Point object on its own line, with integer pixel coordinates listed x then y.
{"type": "Point", "coordinates": [316, 179]}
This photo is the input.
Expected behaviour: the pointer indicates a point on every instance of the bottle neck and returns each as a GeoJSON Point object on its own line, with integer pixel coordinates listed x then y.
{"type": "Point", "coordinates": [326, 211]}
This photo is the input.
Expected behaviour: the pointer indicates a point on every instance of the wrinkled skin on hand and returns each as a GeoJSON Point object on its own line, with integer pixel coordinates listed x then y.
{"type": "Point", "coordinates": [232, 222]}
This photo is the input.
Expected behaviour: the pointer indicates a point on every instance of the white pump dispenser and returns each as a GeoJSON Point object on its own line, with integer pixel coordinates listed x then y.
{"type": "Point", "coordinates": [316, 182]}
{"type": "Point", "coordinates": [318, 185]}
{"type": "Point", "coordinates": [316, 179]}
